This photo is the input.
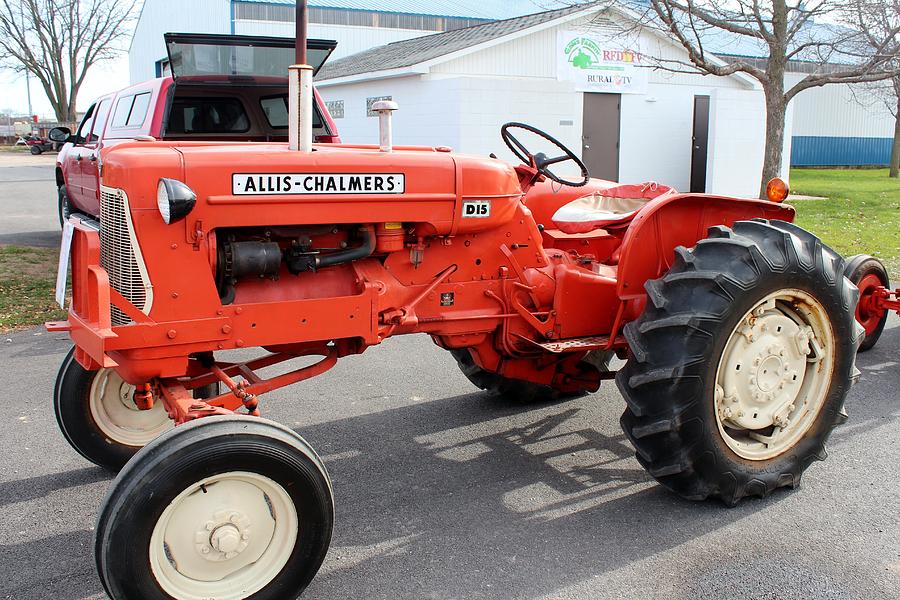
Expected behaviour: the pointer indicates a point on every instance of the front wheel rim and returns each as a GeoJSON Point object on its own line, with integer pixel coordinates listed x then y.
{"type": "Point", "coordinates": [774, 375]}
{"type": "Point", "coordinates": [116, 415]}
{"type": "Point", "coordinates": [226, 537]}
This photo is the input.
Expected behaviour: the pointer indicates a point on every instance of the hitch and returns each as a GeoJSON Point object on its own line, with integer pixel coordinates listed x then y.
{"type": "Point", "coordinates": [182, 407]}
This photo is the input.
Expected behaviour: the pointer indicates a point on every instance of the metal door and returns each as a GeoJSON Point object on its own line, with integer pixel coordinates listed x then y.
{"type": "Point", "coordinates": [699, 144]}
{"type": "Point", "coordinates": [600, 139]}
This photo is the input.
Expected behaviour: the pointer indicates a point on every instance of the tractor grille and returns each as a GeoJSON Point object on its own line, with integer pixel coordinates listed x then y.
{"type": "Point", "coordinates": [120, 254]}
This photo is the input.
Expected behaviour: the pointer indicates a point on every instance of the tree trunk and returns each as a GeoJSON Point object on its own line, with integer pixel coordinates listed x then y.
{"type": "Point", "coordinates": [895, 150]}
{"type": "Point", "coordinates": [776, 108]}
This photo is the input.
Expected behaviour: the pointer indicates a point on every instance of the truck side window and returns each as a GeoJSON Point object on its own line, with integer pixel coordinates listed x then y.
{"type": "Point", "coordinates": [99, 121]}
{"type": "Point", "coordinates": [87, 122]}
{"type": "Point", "coordinates": [139, 110]}
{"type": "Point", "coordinates": [123, 109]}
{"type": "Point", "coordinates": [131, 111]}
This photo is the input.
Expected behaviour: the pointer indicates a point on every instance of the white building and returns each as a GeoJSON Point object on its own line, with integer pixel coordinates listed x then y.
{"type": "Point", "coordinates": [357, 25]}
{"type": "Point", "coordinates": [458, 88]}
{"type": "Point", "coordinates": [459, 74]}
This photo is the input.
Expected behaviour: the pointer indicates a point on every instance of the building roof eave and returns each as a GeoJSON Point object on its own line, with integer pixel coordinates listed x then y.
{"type": "Point", "coordinates": [373, 76]}
{"type": "Point", "coordinates": [506, 38]}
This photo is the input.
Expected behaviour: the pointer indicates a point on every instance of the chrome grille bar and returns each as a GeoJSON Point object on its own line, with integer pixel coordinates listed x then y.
{"type": "Point", "coordinates": [120, 254]}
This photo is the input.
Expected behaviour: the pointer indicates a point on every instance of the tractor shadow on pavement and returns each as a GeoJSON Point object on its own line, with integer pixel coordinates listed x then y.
{"type": "Point", "coordinates": [23, 490]}
{"type": "Point", "coordinates": [880, 378]}
{"type": "Point", "coordinates": [468, 497]}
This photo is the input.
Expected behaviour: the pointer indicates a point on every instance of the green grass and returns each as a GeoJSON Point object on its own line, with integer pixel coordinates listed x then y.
{"type": "Point", "coordinates": [861, 214]}
{"type": "Point", "coordinates": [27, 281]}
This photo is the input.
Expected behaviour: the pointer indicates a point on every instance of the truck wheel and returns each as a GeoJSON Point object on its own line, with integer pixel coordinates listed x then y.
{"type": "Point", "coordinates": [240, 507]}
{"type": "Point", "coordinates": [36, 150]}
{"type": "Point", "coordinates": [515, 390]}
{"type": "Point", "coordinates": [868, 274]}
{"type": "Point", "coordinates": [741, 361]}
{"type": "Point", "coordinates": [63, 207]}
{"type": "Point", "coordinates": [96, 413]}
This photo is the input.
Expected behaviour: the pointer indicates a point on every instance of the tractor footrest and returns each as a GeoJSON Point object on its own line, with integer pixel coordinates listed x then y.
{"type": "Point", "coordinates": [582, 344]}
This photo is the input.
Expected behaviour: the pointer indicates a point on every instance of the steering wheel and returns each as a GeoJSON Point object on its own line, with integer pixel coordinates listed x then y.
{"type": "Point", "coordinates": [540, 161]}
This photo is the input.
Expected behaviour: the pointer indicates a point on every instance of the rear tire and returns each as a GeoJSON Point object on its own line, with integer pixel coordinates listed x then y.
{"type": "Point", "coordinates": [515, 390]}
{"type": "Point", "coordinates": [97, 416]}
{"type": "Point", "coordinates": [222, 507]}
{"type": "Point", "coordinates": [868, 273]}
{"type": "Point", "coordinates": [741, 298]}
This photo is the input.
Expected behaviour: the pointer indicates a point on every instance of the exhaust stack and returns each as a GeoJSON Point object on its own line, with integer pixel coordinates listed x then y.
{"type": "Point", "coordinates": [385, 108]}
{"type": "Point", "coordinates": [300, 89]}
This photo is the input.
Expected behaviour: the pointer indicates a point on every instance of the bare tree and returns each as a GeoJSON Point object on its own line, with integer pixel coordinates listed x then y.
{"type": "Point", "coordinates": [875, 20]}
{"type": "Point", "coordinates": [58, 41]}
{"type": "Point", "coordinates": [895, 110]}
{"type": "Point", "coordinates": [783, 33]}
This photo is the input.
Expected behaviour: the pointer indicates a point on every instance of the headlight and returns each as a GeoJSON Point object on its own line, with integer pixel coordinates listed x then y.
{"type": "Point", "coordinates": [175, 200]}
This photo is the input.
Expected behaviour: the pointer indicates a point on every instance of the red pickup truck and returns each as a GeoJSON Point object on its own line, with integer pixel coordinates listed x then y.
{"type": "Point", "coordinates": [226, 88]}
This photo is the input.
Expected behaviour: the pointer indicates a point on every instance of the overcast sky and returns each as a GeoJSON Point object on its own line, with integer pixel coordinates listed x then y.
{"type": "Point", "coordinates": [101, 79]}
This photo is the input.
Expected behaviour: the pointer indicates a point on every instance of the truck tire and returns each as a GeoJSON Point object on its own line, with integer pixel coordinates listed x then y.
{"type": "Point", "coordinates": [516, 390]}
{"type": "Point", "coordinates": [868, 274]}
{"type": "Point", "coordinates": [222, 507]}
{"type": "Point", "coordinates": [740, 363]}
{"type": "Point", "coordinates": [97, 416]}
{"type": "Point", "coordinates": [63, 206]}
{"type": "Point", "coordinates": [36, 150]}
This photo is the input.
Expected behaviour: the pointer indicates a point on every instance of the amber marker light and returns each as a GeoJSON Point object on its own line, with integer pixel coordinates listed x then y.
{"type": "Point", "coordinates": [777, 190]}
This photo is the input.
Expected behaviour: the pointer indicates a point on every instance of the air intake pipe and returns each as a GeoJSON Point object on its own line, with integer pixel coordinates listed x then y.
{"type": "Point", "coordinates": [298, 262]}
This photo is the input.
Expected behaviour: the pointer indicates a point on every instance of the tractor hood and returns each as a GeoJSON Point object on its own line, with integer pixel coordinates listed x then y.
{"type": "Point", "coordinates": [238, 59]}
{"type": "Point", "coordinates": [242, 184]}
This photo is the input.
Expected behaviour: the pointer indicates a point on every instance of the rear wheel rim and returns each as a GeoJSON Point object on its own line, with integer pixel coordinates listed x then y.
{"type": "Point", "coordinates": [118, 417]}
{"type": "Point", "coordinates": [226, 537]}
{"type": "Point", "coordinates": [774, 375]}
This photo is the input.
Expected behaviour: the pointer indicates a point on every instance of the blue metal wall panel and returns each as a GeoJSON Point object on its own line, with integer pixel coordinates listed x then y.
{"type": "Point", "coordinates": [821, 151]}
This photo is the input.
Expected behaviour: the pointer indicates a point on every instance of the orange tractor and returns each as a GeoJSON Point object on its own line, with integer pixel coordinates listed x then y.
{"type": "Point", "coordinates": [737, 327]}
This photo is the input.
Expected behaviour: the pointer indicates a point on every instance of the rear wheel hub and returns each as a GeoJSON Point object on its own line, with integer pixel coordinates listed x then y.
{"type": "Point", "coordinates": [773, 375]}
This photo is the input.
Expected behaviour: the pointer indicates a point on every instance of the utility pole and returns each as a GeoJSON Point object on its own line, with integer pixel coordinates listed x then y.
{"type": "Point", "coordinates": [28, 93]}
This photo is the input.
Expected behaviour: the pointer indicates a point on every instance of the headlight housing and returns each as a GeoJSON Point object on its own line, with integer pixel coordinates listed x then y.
{"type": "Point", "coordinates": [175, 200]}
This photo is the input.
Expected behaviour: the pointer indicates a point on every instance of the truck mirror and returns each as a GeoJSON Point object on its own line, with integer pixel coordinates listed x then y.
{"type": "Point", "coordinates": [59, 134]}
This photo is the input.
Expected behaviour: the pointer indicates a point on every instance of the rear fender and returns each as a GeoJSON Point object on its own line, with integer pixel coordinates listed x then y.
{"type": "Point", "coordinates": [648, 249]}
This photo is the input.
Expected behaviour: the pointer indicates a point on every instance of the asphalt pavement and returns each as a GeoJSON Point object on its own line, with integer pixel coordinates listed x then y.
{"type": "Point", "coordinates": [28, 199]}
{"type": "Point", "coordinates": [443, 492]}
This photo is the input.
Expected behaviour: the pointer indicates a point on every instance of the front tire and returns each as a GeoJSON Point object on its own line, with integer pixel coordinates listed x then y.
{"type": "Point", "coordinates": [36, 150]}
{"type": "Point", "coordinates": [63, 206]}
{"type": "Point", "coordinates": [868, 274]}
{"type": "Point", "coordinates": [240, 507]}
{"type": "Point", "coordinates": [96, 414]}
{"type": "Point", "coordinates": [741, 362]}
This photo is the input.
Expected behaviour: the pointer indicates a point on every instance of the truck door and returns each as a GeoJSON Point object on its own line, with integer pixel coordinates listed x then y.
{"type": "Point", "coordinates": [90, 186]}
{"type": "Point", "coordinates": [74, 159]}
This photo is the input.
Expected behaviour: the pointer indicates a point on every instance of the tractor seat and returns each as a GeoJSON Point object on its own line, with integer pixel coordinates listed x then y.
{"type": "Point", "coordinates": [606, 208]}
